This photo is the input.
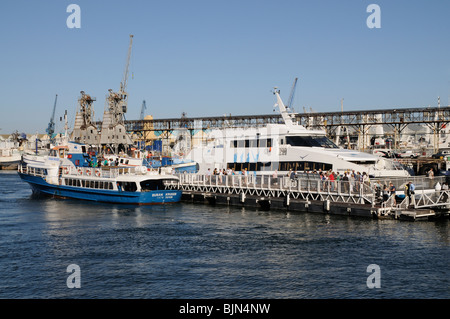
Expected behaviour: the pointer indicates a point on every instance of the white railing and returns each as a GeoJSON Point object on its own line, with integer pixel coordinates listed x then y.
{"type": "Point", "coordinates": [266, 182]}
{"type": "Point", "coordinates": [34, 171]}
{"type": "Point", "coordinates": [111, 172]}
{"type": "Point", "coordinates": [425, 194]}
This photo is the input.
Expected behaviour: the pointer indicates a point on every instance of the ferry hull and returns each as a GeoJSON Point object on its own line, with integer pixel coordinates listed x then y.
{"type": "Point", "coordinates": [39, 185]}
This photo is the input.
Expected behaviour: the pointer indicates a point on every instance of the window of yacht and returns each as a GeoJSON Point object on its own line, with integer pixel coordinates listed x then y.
{"type": "Point", "coordinates": [254, 143]}
{"type": "Point", "coordinates": [263, 143]}
{"type": "Point", "coordinates": [310, 141]}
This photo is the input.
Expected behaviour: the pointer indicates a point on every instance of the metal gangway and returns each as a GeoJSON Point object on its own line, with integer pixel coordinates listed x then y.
{"type": "Point", "coordinates": [307, 187]}
{"type": "Point", "coordinates": [428, 193]}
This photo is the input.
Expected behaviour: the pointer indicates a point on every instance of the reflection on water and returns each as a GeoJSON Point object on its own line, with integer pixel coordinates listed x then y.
{"type": "Point", "coordinates": [199, 251]}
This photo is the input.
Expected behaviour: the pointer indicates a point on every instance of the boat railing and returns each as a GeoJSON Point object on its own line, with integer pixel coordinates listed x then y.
{"type": "Point", "coordinates": [106, 172]}
{"type": "Point", "coordinates": [30, 170]}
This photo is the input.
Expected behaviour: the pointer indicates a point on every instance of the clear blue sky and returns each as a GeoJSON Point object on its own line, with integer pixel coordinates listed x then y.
{"type": "Point", "coordinates": [208, 58]}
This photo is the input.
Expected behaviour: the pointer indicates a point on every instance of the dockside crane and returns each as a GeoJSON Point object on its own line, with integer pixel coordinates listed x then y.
{"type": "Point", "coordinates": [143, 108]}
{"type": "Point", "coordinates": [118, 101]}
{"type": "Point", "coordinates": [51, 125]}
{"type": "Point", "coordinates": [291, 96]}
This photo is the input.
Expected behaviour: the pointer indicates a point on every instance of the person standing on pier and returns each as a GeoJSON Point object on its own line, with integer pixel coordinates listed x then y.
{"type": "Point", "coordinates": [408, 191]}
{"type": "Point", "coordinates": [385, 193]}
{"type": "Point", "coordinates": [392, 191]}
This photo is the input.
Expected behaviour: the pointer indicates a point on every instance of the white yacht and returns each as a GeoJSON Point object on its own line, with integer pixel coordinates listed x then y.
{"type": "Point", "coordinates": [284, 147]}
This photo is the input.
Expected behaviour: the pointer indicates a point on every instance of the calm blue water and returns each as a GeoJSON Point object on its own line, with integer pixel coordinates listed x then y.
{"type": "Point", "coordinates": [199, 251]}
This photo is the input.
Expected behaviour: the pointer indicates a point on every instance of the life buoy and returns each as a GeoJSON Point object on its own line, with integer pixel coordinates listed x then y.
{"type": "Point", "coordinates": [97, 173]}
{"type": "Point", "coordinates": [80, 171]}
{"type": "Point", "coordinates": [66, 170]}
{"type": "Point", "coordinates": [88, 172]}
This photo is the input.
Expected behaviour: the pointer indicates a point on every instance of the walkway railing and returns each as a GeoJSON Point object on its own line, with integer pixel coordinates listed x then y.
{"type": "Point", "coordinates": [428, 192]}
{"type": "Point", "coordinates": [311, 188]}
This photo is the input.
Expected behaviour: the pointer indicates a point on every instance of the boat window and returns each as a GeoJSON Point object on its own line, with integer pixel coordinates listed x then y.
{"type": "Point", "coordinates": [363, 162]}
{"type": "Point", "coordinates": [152, 185]}
{"type": "Point", "coordinates": [263, 143]}
{"type": "Point", "coordinates": [241, 143]}
{"type": "Point", "coordinates": [128, 186]}
{"type": "Point", "coordinates": [247, 143]}
{"type": "Point", "coordinates": [303, 166]}
{"type": "Point", "coordinates": [255, 166]}
{"type": "Point", "coordinates": [254, 143]}
{"type": "Point", "coordinates": [310, 141]}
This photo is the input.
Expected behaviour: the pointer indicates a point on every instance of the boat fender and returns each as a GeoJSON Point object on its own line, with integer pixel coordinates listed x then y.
{"type": "Point", "coordinates": [80, 171]}
{"type": "Point", "coordinates": [97, 173]}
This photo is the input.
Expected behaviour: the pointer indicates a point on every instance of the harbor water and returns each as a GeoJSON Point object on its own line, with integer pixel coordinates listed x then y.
{"type": "Point", "coordinates": [192, 251]}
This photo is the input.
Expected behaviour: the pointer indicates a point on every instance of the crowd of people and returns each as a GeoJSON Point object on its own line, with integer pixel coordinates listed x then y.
{"type": "Point", "coordinates": [99, 162]}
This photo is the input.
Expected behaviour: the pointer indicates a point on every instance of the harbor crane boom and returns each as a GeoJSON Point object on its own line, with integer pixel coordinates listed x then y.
{"type": "Point", "coordinates": [51, 125]}
{"type": "Point", "coordinates": [123, 84]}
{"type": "Point", "coordinates": [291, 96]}
{"type": "Point", "coordinates": [143, 108]}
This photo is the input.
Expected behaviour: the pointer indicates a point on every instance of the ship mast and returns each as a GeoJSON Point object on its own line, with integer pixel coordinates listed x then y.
{"type": "Point", "coordinates": [287, 117]}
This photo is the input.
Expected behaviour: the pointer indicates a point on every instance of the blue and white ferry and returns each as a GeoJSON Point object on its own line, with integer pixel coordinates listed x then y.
{"type": "Point", "coordinates": [57, 175]}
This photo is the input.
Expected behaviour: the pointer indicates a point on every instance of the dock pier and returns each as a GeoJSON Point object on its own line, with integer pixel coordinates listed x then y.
{"type": "Point", "coordinates": [307, 193]}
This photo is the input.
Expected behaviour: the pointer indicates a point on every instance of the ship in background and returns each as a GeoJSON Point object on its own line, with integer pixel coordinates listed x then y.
{"type": "Point", "coordinates": [283, 148]}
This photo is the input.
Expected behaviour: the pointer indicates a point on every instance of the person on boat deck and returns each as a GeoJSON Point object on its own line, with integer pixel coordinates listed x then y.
{"type": "Point", "coordinates": [119, 188]}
